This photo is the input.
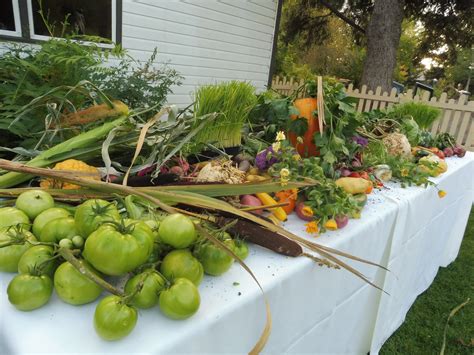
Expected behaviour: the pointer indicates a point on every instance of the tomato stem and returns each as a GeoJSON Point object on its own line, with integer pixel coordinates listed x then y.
{"type": "Point", "coordinates": [68, 255]}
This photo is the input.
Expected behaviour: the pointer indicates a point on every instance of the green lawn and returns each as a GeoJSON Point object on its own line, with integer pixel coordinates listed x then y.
{"type": "Point", "coordinates": [422, 331]}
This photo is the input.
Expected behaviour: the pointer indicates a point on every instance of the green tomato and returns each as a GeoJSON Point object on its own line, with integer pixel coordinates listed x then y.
{"type": "Point", "coordinates": [92, 214]}
{"type": "Point", "coordinates": [177, 230]}
{"type": "Point", "coordinates": [154, 225]}
{"type": "Point", "coordinates": [73, 287]}
{"type": "Point", "coordinates": [78, 241]}
{"type": "Point", "coordinates": [28, 292]}
{"type": "Point", "coordinates": [214, 259]}
{"type": "Point", "coordinates": [114, 320]}
{"type": "Point", "coordinates": [46, 216]}
{"type": "Point", "coordinates": [11, 255]}
{"type": "Point", "coordinates": [34, 202]}
{"type": "Point", "coordinates": [11, 216]}
{"type": "Point", "coordinates": [181, 300]}
{"type": "Point", "coordinates": [241, 249]}
{"type": "Point", "coordinates": [117, 249]}
{"type": "Point", "coordinates": [36, 257]}
{"type": "Point", "coordinates": [66, 243]}
{"type": "Point", "coordinates": [181, 263]}
{"type": "Point", "coordinates": [147, 297]}
{"type": "Point", "coordinates": [57, 229]}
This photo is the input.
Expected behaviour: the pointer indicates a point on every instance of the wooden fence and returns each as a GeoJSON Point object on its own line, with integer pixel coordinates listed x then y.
{"type": "Point", "coordinates": [456, 118]}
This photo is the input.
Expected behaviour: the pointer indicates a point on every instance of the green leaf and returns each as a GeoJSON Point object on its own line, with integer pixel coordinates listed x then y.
{"type": "Point", "coordinates": [329, 157]}
{"type": "Point", "coordinates": [299, 126]}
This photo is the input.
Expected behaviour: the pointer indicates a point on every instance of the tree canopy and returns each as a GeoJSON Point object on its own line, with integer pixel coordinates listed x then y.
{"type": "Point", "coordinates": [438, 29]}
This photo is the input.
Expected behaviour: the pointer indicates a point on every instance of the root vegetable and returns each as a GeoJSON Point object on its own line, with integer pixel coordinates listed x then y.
{"type": "Point", "coordinates": [301, 212]}
{"type": "Point", "coordinates": [448, 152]}
{"type": "Point", "coordinates": [244, 165]}
{"type": "Point", "coordinates": [459, 151]}
{"type": "Point", "coordinates": [397, 144]}
{"type": "Point", "coordinates": [250, 201]}
{"type": "Point", "coordinates": [341, 221]}
{"type": "Point", "coordinates": [345, 172]}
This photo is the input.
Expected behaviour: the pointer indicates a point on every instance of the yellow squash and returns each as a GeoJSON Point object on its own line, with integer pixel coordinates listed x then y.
{"type": "Point", "coordinates": [353, 185]}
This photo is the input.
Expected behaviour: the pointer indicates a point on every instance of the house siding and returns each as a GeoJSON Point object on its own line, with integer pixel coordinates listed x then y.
{"type": "Point", "coordinates": [206, 41]}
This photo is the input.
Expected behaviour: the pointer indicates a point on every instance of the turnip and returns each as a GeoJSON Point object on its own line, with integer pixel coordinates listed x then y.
{"type": "Point", "coordinates": [251, 201]}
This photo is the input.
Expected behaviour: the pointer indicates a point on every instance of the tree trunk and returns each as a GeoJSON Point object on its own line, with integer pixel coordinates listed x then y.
{"type": "Point", "coordinates": [383, 37]}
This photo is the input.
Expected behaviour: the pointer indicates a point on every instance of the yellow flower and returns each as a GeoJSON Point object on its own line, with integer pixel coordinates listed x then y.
{"type": "Point", "coordinates": [284, 173]}
{"type": "Point", "coordinates": [441, 193]}
{"type": "Point", "coordinates": [404, 172]}
{"type": "Point", "coordinates": [312, 227]}
{"type": "Point", "coordinates": [280, 136]}
{"type": "Point", "coordinates": [276, 146]}
{"type": "Point", "coordinates": [296, 157]}
{"type": "Point", "coordinates": [307, 211]}
{"type": "Point", "coordinates": [299, 140]}
{"type": "Point", "coordinates": [331, 225]}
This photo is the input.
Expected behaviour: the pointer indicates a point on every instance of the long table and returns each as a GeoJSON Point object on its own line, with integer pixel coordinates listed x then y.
{"type": "Point", "coordinates": [315, 309]}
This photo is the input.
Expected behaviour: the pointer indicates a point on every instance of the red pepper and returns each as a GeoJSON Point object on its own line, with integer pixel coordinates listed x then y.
{"type": "Point", "coordinates": [355, 174]}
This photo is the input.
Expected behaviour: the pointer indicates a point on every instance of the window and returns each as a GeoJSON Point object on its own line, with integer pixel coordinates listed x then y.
{"type": "Point", "coordinates": [10, 18]}
{"type": "Point", "coordinates": [101, 18]}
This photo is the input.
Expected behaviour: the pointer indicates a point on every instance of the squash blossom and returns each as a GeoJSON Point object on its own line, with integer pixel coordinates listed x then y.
{"type": "Point", "coordinates": [331, 225]}
{"type": "Point", "coordinates": [280, 136]}
{"type": "Point", "coordinates": [284, 174]}
{"type": "Point", "coordinates": [441, 193]}
{"type": "Point", "coordinates": [312, 227]}
{"type": "Point", "coordinates": [276, 146]}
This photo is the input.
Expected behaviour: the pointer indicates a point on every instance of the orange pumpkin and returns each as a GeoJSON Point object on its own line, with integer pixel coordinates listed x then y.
{"type": "Point", "coordinates": [306, 108]}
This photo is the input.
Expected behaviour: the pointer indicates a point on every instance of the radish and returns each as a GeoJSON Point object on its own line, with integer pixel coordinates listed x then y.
{"type": "Point", "coordinates": [341, 221]}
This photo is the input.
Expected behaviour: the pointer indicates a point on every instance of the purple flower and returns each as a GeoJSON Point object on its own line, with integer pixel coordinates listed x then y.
{"type": "Point", "coordinates": [360, 141]}
{"type": "Point", "coordinates": [265, 159]}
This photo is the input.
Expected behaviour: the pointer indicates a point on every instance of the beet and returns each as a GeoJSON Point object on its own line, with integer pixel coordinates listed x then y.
{"type": "Point", "coordinates": [448, 152]}
{"type": "Point", "coordinates": [299, 212]}
{"type": "Point", "coordinates": [459, 151]}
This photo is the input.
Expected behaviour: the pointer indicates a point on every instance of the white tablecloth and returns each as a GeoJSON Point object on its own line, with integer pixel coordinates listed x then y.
{"type": "Point", "coordinates": [315, 309]}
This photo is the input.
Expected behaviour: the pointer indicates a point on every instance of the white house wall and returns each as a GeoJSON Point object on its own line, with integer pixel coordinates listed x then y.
{"type": "Point", "coordinates": [206, 41]}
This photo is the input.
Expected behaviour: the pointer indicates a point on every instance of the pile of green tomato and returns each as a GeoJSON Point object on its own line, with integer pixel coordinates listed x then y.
{"type": "Point", "coordinates": [162, 255]}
